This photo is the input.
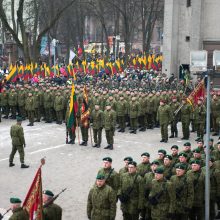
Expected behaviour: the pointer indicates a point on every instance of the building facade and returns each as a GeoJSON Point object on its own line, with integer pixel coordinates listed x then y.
{"type": "Point", "coordinates": [189, 25]}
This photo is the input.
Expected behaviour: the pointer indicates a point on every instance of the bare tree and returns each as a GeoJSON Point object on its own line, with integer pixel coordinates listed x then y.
{"type": "Point", "coordinates": [23, 43]}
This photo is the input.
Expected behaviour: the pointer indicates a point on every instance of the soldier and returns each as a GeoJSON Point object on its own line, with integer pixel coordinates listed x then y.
{"type": "Point", "coordinates": [121, 110]}
{"type": "Point", "coordinates": [175, 156]}
{"type": "Point", "coordinates": [111, 176]}
{"type": "Point", "coordinates": [200, 116]}
{"type": "Point", "coordinates": [215, 111]}
{"type": "Point", "coordinates": [30, 108]}
{"type": "Point", "coordinates": [162, 197]}
{"type": "Point", "coordinates": [185, 118]}
{"type": "Point", "coordinates": [12, 102]}
{"type": "Point", "coordinates": [216, 152]}
{"type": "Point", "coordinates": [109, 125]}
{"type": "Point", "coordinates": [101, 203]}
{"type": "Point", "coordinates": [18, 212]}
{"type": "Point", "coordinates": [184, 192]}
{"type": "Point", "coordinates": [18, 143]}
{"type": "Point", "coordinates": [144, 166]}
{"type": "Point", "coordinates": [21, 103]}
{"type": "Point", "coordinates": [134, 110]}
{"type": "Point", "coordinates": [51, 211]}
{"type": "Point", "coordinates": [164, 117]}
{"type": "Point", "coordinates": [175, 117]}
{"type": "Point", "coordinates": [37, 105]}
{"type": "Point", "coordinates": [48, 106]}
{"type": "Point", "coordinates": [97, 124]}
{"type": "Point", "coordinates": [150, 107]}
{"type": "Point", "coordinates": [187, 150]}
{"type": "Point", "coordinates": [197, 156]}
{"type": "Point", "coordinates": [214, 187]}
{"type": "Point", "coordinates": [125, 168]}
{"type": "Point", "coordinates": [131, 193]}
{"type": "Point", "coordinates": [183, 159]}
{"type": "Point", "coordinates": [5, 106]}
{"type": "Point", "coordinates": [161, 154]}
{"type": "Point", "coordinates": [58, 107]}
{"type": "Point", "coordinates": [142, 113]}
{"type": "Point", "coordinates": [168, 167]}
{"type": "Point", "coordinates": [198, 178]}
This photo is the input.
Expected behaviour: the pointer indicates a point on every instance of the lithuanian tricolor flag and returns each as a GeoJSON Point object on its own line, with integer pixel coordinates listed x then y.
{"type": "Point", "coordinates": [73, 105]}
{"type": "Point", "coordinates": [13, 74]}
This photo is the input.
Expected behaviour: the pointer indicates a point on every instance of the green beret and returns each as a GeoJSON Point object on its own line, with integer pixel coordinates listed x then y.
{"type": "Point", "coordinates": [200, 140]}
{"type": "Point", "coordinates": [132, 163]}
{"type": "Point", "coordinates": [15, 200]}
{"type": "Point", "coordinates": [195, 161]}
{"type": "Point", "coordinates": [187, 144]}
{"type": "Point", "coordinates": [175, 146]}
{"type": "Point", "coordinates": [181, 166]}
{"type": "Point", "coordinates": [100, 177]}
{"type": "Point", "coordinates": [145, 154]}
{"type": "Point", "coordinates": [155, 162]}
{"type": "Point", "coordinates": [162, 151]}
{"type": "Point", "coordinates": [169, 157]}
{"type": "Point", "coordinates": [183, 154]}
{"type": "Point", "coordinates": [159, 170]}
{"type": "Point", "coordinates": [128, 159]}
{"type": "Point", "coordinates": [19, 118]}
{"type": "Point", "coordinates": [197, 150]}
{"type": "Point", "coordinates": [109, 159]}
{"type": "Point", "coordinates": [48, 193]}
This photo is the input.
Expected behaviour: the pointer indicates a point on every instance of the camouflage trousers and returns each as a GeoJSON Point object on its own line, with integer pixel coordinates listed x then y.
{"type": "Point", "coordinates": [22, 112]}
{"type": "Point", "coordinates": [200, 129]}
{"type": "Point", "coordinates": [84, 132]}
{"type": "Point", "coordinates": [97, 135]}
{"type": "Point", "coordinates": [31, 116]}
{"type": "Point", "coordinates": [37, 113]}
{"type": "Point", "coordinates": [185, 129]}
{"type": "Point", "coordinates": [13, 111]}
{"type": "Point", "coordinates": [109, 136]}
{"type": "Point", "coordinates": [20, 150]}
{"type": "Point", "coordinates": [59, 116]}
{"type": "Point", "coordinates": [121, 122]}
{"type": "Point", "coordinates": [164, 131]}
{"type": "Point", "coordinates": [134, 123]}
{"type": "Point", "coordinates": [48, 114]}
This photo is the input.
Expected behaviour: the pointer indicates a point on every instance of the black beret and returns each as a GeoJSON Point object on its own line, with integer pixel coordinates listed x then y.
{"type": "Point", "coordinates": [175, 146]}
{"type": "Point", "coordinates": [132, 163]}
{"type": "Point", "coordinates": [109, 159]}
{"type": "Point", "coordinates": [146, 154]}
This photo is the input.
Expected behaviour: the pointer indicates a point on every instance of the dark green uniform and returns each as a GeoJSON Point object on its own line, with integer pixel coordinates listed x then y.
{"type": "Point", "coordinates": [200, 116]}
{"type": "Point", "coordinates": [12, 102]}
{"type": "Point", "coordinates": [58, 107]}
{"type": "Point", "coordinates": [134, 111]}
{"type": "Point", "coordinates": [18, 142]}
{"type": "Point", "coordinates": [185, 119]}
{"type": "Point", "coordinates": [97, 123]}
{"type": "Point", "coordinates": [48, 106]}
{"type": "Point", "coordinates": [19, 214]}
{"type": "Point", "coordinates": [132, 207]}
{"type": "Point", "coordinates": [30, 108]}
{"type": "Point", "coordinates": [21, 104]}
{"type": "Point", "coordinates": [121, 109]}
{"type": "Point", "coordinates": [52, 212]}
{"type": "Point", "coordinates": [101, 204]}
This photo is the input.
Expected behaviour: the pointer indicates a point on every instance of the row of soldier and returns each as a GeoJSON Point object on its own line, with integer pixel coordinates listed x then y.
{"type": "Point", "coordinates": [170, 187]}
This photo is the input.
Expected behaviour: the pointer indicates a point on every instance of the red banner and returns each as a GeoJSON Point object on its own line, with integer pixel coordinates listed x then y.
{"type": "Point", "coordinates": [33, 201]}
{"type": "Point", "coordinates": [198, 92]}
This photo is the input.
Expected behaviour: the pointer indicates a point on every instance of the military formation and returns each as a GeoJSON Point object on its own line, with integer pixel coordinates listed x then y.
{"type": "Point", "coordinates": [129, 103]}
{"type": "Point", "coordinates": [172, 186]}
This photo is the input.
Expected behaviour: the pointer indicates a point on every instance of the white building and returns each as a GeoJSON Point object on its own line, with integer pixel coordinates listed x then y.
{"type": "Point", "coordinates": [189, 25]}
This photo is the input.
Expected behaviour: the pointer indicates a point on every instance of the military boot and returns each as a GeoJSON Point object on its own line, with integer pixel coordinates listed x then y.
{"type": "Point", "coordinates": [111, 147]}
{"type": "Point", "coordinates": [82, 144]}
{"type": "Point", "coordinates": [107, 147]}
{"type": "Point", "coordinates": [11, 164]}
{"type": "Point", "coordinates": [95, 145]}
{"type": "Point", "coordinates": [24, 165]}
{"type": "Point", "coordinates": [85, 143]}
{"type": "Point", "coordinates": [122, 130]}
{"type": "Point", "coordinates": [172, 135]}
{"type": "Point", "coordinates": [98, 146]}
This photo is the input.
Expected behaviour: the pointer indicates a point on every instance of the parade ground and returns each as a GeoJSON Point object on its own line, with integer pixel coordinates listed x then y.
{"type": "Point", "coordinates": [69, 166]}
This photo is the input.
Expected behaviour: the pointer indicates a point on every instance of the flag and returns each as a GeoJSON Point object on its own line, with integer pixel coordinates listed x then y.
{"type": "Point", "coordinates": [72, 56]}
{"type": "Point", "coordinates": [13, 74]}
{"type": "Point", "coordinates": [197, 93]}
{"type": "Point", "coordinates": [85, 112]}
{"type": "Point", "coordinates": [73, 108]}
{"type": "Point", "coordinates": [33, 201]}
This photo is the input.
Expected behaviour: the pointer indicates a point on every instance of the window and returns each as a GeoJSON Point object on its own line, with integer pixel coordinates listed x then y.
{"type": "Point", "coordinates": [188, 3]}
{"type": "Point", "coordinates": [187, 38]}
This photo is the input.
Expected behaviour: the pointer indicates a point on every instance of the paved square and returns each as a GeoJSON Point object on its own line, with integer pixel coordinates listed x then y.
{"type": "Point", "coordinates": [71, 166]}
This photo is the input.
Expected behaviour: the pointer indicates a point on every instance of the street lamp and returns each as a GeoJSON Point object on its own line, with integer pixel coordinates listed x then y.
{"type": "Point", "coordinates": [54, 43]}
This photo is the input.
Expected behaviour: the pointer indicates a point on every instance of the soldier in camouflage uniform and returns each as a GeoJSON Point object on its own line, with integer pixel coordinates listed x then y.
{"type": "Point", "coordinates": [21, 103]}
{"type": "Point", "coordinates": [215, 112]}
{"type": "Point", "coordinates": [174, 154]}
{"type": "Point", "coordinates": [30, 108]}
{"type": "Point", "coordinates": [125, 168]}
{"type": "Point", "coordinates": [58, 107]}
{"type": "Point", "coordinates": [12, 102]}
{"type": "Point", "coordinates": [97, 124]}
{"type": "Point", "coordinates": [185, 119]}
{"type": "Point", "coordinates": [48, 106]}
{"type": "Point", "coordinates": [18, 212]}
{"type": "Point", "coordinates": [162, 197]}
{"type": "Point", "coordinates": [200, 116]}
{"type": "Point", "coordinates": [37, 105]}
{"type": "Point", "coordinates": [109, 125]}
{"type": "Point", "coordinates": [184, 192]}
{"type": "Point", "coordinates": [144, 166]}
{"type": "Point", "coordinates": [198, 178]}
{"type": "Point", "coordinates": [131, 185]}
{"type": "Point", "coordinates": [164, 117]}
{"type": "Point", "coordinates": [51, 211]}
{"type": "Point", "coordinates": [18, 143]}
{"type": "Point", "coordinates": [121, 110]}
{"type": "Point", "coordinates": [168, 167]}
{"type": "Point", "coordinates": [111, 176]}
{"type": "Point", "coordinates": [101, 203]}
{"type": "Point", "coordinates": [4, 101]}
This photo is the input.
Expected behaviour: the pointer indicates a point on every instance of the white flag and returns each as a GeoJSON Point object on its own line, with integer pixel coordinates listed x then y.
{"type": "Point", "coordinates": [72, 55]}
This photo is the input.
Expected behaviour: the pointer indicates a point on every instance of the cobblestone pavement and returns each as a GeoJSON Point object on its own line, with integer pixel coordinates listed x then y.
{"type": "Point", "coordinates": [71, 166]}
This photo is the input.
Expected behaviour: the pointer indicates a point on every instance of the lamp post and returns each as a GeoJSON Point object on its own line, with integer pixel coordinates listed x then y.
{"type": "Point", "coordinates": [54, 57]}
